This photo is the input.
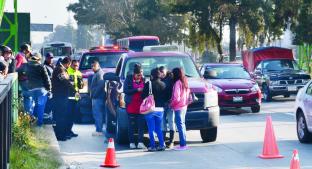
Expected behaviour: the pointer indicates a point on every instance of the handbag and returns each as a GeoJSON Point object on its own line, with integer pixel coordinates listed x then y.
{"type": "Point", "coordinates": [148, 104]}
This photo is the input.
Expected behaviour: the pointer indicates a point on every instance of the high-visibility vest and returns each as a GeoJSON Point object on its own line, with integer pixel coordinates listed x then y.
{"type": "Point", "coordinates": [73, 76]}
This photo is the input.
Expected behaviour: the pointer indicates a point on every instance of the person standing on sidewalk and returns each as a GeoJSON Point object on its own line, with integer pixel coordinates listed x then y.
{"type": "Point", "coordinates": [23, 55]}
{"type": "Point", "coordinates": [154, 119]}
{"type": "Point", "coordinates": [8, 58]}
{"type": "Point", "coordinates": [133, 89]}
{"type": "Point", "coordinates": [168, 119]}
{"type": "Point", "coordinates": [75, 77]}
{"type": "Point", "coordinates": [49, 66]}
{"type": "Point", "coordinates": [61, 88]}
{"type": "Point", "coordinates": [97, 96]}
{"type": "Point", "coordinates": [38, 84]}
{"type": "Point", "coordinates": [179, 102]}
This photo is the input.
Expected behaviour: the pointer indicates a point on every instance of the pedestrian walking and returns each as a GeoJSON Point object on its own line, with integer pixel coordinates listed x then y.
{"type": "Point", "coordinates": [75, 77]}
{"type": "Point", "coordinates": [38, 85]}
{"type": "Point", "coordinates": [61, 88]}
{"type": "Point", "coordinates": [168, 119]}
{"type": "Point", "coordinates": [156, 87]}
{"type": "Point", "coordinates": [97, 96]}
{"type": "Point", "coordinates": [133, 89]}
{"type": "Point", "coordinates": [179, 102]}
{"type": "Point", "coordinates": [8, 58]}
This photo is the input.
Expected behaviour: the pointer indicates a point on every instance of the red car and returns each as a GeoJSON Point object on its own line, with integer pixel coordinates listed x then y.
{"type": "Point", "coordinates": [234, 84]}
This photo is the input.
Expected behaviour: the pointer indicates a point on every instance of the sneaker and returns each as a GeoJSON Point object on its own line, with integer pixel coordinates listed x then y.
{"type": "Point", "coordinates": [132, 146]}
{"type": "Point", "coordinates": [151, 149]}
{"type": "Point", "coordinates": [170, 146]}
{"type": "Point", "coordinates": [141, 146]}
{"type": "Point", "coordinates": [97, 134]}
{"type": "Point", "coordinates": [163, 148]}
{"type": "Point", "coordinates": [181, 148]}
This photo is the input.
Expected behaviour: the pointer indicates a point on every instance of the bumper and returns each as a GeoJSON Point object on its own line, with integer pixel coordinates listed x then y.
{"type": "Point", "coordinates": [202, 119]}
{"type": "Point", "coordinates": [248, 100]}
{"type": "Point", "coordinates": [284, 90]}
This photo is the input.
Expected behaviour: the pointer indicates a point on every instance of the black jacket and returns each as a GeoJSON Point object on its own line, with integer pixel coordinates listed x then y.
{"type": "Point", "coordinates": [158, 90]}
{"type": "Point", "coordinates": [128, 88]}
{"type": "Point", "coordinates": [169, 88]}
{"type": "Point", "coordinates": [36, 74]}
{"type": "Point", "coordinates": [61, 86]}
{"type": "Point", "coordinates": [49, 69]}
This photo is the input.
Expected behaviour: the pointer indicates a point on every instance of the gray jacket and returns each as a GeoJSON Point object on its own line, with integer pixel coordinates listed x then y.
{"type": "Point", "coordinates": [97, 85]}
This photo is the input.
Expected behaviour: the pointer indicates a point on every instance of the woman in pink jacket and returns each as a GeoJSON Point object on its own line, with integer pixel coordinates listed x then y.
{"type": "Point", "coordinates": [179, 103]}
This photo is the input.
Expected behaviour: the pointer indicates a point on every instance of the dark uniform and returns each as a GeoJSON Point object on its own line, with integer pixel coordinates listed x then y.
{"type": "Point", "coordinates": [61, 89]}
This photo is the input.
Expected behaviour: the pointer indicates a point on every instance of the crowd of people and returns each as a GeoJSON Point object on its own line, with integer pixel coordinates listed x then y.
{"type": "Point", "coordinates": [171, 95]}
{"type": "Point", "coordinates": [49, 88]}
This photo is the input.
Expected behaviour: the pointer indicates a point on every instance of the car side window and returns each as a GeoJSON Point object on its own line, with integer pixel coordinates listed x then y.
{"type": "Point", "coordinates": [309, 89]}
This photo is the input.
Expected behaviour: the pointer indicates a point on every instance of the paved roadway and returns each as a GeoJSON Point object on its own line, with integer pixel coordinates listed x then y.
{"type": "Point", "coordinates": [239, 142]}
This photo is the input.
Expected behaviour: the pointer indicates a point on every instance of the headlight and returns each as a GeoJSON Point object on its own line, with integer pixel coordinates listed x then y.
{"type": "Point", "coordinates": [218, 89]}
{"type": "Point", "coordinates": [305, 81]}
{"type": "Point", "coordinates": [255, 88]}
{"type": "Point", "coordinates": [274, 83]}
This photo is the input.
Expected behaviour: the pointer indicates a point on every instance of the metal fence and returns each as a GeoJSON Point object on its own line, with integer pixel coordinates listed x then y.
{"type": "Point", "coordinates": [8, 116]}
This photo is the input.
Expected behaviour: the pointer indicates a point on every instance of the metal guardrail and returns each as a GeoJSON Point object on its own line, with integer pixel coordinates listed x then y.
{"type": "Point", "coordinates": [8, 116]}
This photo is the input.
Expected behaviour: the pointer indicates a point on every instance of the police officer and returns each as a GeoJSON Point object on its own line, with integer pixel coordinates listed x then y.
{"type": "Point", "coordinates": [61, 89]}
{"type": "Point", "coordinates": [75, 77]}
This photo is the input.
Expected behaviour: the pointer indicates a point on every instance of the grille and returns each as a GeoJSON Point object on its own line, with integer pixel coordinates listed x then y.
{"type": "Point", "coordinates": [237, 91]}
{"type": "Point", "coordinates": [290, 82]}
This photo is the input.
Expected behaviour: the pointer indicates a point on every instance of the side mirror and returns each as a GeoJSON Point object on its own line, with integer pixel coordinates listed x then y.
{"type": "Point", "coordinates": [111, 77]}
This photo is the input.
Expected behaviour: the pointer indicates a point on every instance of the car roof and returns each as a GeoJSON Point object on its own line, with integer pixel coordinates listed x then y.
{"type": "Point", "coordinates": [142, 37]}
{"type": "Point", "coordinates": [105, 51]}
{"type": "Point", "coordinates": [154, 54]}
{"type": "Point", "coordinates": [222, 64]}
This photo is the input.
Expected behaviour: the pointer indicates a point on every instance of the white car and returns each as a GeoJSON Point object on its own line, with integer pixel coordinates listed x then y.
{"type": "Point", "coordinates": [303, 109]}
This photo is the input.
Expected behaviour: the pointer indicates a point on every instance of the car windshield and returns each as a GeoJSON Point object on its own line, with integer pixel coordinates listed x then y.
{"type": "Point", "coordinates": [137, 45]}
{"type": "Point", "coordinates": [106, 60]}
{"type": "Point", "coordinates": [58, 51]}
{"type": "Point", "coordinates": [280, 65]}
{"type": "Point", "coordinates": [169, 62]}
{"type": "Point", "coordinates": [226, 72]}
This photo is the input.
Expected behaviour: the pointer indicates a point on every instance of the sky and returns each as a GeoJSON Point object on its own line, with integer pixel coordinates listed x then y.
{"type": "Point", "coordinates": [43, 11]}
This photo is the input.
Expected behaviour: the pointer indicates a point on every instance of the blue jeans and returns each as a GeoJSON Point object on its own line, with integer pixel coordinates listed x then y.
{"type": "Point", "coordinates": [180, 122]}
{"type": "Point", "coordinates": [98, 109]}
{"type": "Point", "coordinates": [34, 103]}
{"type": "Point", "coordinates": [154, 121]}
{"type": "Point", "coordinates": [136, 122]}
{"type": "Point", "coordinates": [168, 119]}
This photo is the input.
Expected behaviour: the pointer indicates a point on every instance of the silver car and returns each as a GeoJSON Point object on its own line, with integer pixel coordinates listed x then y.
{"type": "Point", "coordinates": [303, 109]}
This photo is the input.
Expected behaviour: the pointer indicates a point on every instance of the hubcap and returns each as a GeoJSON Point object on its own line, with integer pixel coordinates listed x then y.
{"type": "Point", "coordinates": [301, 127]}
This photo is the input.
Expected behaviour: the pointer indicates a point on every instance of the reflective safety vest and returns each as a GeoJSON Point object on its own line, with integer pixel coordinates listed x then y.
{"type": "Point", "coordinates": [76, 78]}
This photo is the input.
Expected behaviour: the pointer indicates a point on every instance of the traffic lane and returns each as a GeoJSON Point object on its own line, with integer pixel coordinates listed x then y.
{"type": "Point", "coordinates": [278, 104]}
{"type": "Point", "coordinates": [240, 141]}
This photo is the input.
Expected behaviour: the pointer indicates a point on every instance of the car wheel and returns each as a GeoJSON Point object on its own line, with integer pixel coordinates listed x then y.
{"type": "Point", "coordinates": [255, 109]}
{"type": "Point", "coordinates": [121, 132]}
{"type": "Point", "coordinates": [108, 121]}
{"type": "Point", "coordinates": [266, 93]}
{"type": "Point", "coordinates": [209, 135]}
{"type": "Point", "coordinates": [287, 95]}
{"type": "Point", "coordinates": [303, 134]}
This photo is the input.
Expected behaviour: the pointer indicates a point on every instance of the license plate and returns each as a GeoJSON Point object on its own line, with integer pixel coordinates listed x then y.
{"type": "Point", "coordinates": [292, 88]}
{"type": "Point", "coordinates": [237, 99]}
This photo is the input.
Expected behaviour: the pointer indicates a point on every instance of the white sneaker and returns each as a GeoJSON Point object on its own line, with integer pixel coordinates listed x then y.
{"type": "Point", "coordinates": [141, 146]}
{"type": "Point", "coordinates": [132, 146]}
{"type": "Point", "coordinates": [97, 134]}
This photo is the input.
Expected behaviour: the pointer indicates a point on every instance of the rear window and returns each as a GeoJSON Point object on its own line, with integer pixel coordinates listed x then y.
{"type": "Point", "coordinates": [106, 60]}
{"type": "Point", "coordinates": [137, 45]}
{"type": "Point", "coordinates": [226, 72]}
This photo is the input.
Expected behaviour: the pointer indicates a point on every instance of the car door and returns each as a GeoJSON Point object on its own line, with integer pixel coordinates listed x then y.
{"type": "Point", "coordinates": [307, 104]}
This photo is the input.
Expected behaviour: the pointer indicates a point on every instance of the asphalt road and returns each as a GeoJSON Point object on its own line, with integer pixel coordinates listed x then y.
{"type": "Point", "coordinates": [240, 141]}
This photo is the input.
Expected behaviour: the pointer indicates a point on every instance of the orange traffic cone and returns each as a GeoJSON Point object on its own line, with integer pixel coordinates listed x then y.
{"type": "Point", "coordinates": [270, 149]}
{"type": "Point", "coordinates": [294, 163]}
{"type": "Point", "coordinates": [110, 159]}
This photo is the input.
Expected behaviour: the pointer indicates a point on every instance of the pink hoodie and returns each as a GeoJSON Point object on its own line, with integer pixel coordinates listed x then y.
{"type": "Point", "coordinates": [179, 97]}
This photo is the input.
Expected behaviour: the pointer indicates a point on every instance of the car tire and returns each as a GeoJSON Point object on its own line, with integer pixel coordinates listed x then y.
{"type": "Point", "coordinates": [266, 93]}
{"type": "Point", "coordinates": [286, 95]}
{"type": "Point", "coordinates": [109, 121]}
{"type": "Point", "coordinates": [209, 135]}
{"type": "Point", "coordinates": [255, 109]}
{"type": "Point", "coordinates": [121, 132]}
{"type": "Point", "coordinates": [304, 136]}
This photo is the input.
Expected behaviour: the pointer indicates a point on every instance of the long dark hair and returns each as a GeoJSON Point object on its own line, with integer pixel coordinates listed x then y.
{"type": "Point", "coordinates": [178, 74]}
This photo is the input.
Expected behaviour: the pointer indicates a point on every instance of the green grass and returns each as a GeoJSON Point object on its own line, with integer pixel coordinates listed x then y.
{"type": "Point", "coordinates": [31, 148]}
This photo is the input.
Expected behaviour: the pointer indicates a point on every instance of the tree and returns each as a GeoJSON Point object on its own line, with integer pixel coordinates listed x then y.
{"type": "Point", "coordinates": [130, 17]}
{"type": "Point", "coordinates": [65, 33]}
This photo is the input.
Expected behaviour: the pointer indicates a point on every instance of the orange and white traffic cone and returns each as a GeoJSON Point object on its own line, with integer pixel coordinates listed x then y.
{"type": "Point", "coordinates": [270, 149]}
{"type": "Point", "coordinates": [294, 163]}
{"type": "Point", "coordinates": [110, 159]}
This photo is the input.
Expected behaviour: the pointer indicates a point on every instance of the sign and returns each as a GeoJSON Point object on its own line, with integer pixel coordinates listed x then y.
{"type": "Point", "coordinates": [41, 27]}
